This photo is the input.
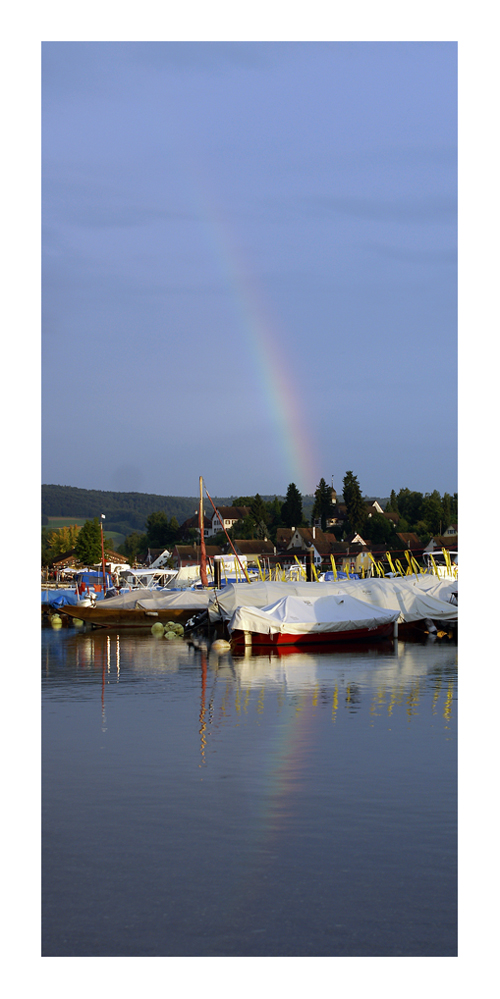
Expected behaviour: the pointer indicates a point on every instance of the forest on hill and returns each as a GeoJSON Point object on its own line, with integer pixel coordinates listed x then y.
{"type": "Point", "coordinates": [124, 512]}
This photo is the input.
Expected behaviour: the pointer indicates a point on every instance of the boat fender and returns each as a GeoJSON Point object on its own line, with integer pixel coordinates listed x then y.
{"type": "Point", "coordinates": [220, 646]}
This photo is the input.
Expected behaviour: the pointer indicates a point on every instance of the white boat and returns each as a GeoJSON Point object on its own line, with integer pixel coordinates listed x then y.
{"type": "Point", "coordinates": [296, 620]}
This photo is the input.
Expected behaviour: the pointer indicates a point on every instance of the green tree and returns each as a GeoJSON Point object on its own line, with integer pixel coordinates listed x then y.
{"type": "Point", "coordinates": [46, 550]}
{"type": "Point", "coordinates": [450, 513]}
{"type": "Point", "coordinates": [157, 529]}
{"type": "Point", "coordinates": [422, 530]}
{"type": "Point", "coordinates": [88, 543]}
{"type": "Point", "coordinates": [260, 516]}
{"type": "Point", "coordinates": [274, 518]}
{"type": "Point", "coordinates": [63, 539]}
{"type": "Point", "coordinates": [323, 507]}
{"type": "Point", "coordinates": [356, 508]}
{"type": "Point", "coordinates": [291, 511]}
{"type": "Point", "coordinates": [410, 506]}
{"type": "Point", "coordinates": [432, 512]}
{"type": "Point", "coordinates": [378, 529]}
{"type": "Point", "coordinates": [392, 503]}
{"type": "Point", "coordinates": [160, 531]}
{"type": "Point", "coordinates": [244, 528]}
{"type": "Point", "coordinates": [135, 544]}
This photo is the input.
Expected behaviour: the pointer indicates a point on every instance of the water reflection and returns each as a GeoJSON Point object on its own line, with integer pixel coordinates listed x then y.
{"type": "Point", "coordinates": [388, 681]}
{"type": "Point", "coordinates": [387, 678]}
{"type": "Point", "coordinates": [321, 785]}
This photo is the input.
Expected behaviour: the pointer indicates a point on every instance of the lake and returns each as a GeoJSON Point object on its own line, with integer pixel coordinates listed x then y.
{"type": "Point", "coordinates": [300, 804]}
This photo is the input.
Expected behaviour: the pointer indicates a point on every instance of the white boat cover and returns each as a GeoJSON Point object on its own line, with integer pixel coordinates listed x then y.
{"type": "Point", "coordinates": [195, 600]}
{"type": "Point", "coordinates": [416, 597]}
{"type": "Point", "coordinates": [293, 615]}
{"type": "Point", "coordinates": [145, 599]}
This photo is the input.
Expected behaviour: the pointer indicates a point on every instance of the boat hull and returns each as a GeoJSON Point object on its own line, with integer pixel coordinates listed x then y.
{"type": "Point", "coordinates": [101, 617]}
{"type": "Point", "coordinates": [277, 639]}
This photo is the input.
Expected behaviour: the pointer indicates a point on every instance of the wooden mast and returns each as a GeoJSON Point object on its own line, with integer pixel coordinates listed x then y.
{"type": "Point", "coordinates": [103, 562]}
{"type": "Point", "coordinates": [203, 554]}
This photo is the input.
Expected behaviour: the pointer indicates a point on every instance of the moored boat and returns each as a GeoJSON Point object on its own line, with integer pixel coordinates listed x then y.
{"type": "Point", "coordinates": [297, 620]}
{"type": "Point", "coordinates": [140, 608]}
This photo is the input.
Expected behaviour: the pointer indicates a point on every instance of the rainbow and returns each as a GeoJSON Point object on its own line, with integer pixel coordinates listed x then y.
{"type": "Point", "coordinates": [286, 756]}
{"type": "Point", "coordinates": [280, 389]}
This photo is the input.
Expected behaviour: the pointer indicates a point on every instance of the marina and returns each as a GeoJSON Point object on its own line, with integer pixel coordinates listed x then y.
{"type": "Point", "coordinates": [249, 694]}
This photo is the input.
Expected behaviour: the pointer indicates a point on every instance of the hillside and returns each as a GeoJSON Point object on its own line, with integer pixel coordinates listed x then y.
{"type": "Point", "coordinates": [124, 512]}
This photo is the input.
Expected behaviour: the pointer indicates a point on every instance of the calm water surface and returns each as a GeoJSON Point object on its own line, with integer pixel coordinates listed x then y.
{"type": "Point", "coordinates": [195, 805]}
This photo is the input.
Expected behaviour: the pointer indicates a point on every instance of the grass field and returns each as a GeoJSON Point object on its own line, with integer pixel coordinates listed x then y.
{"type": "Point", "coordinates": [56, 522]}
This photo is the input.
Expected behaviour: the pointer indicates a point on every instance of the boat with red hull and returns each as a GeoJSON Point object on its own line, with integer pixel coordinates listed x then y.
{"type": "Point", "coordinates": [239, 638]}
{"type": "Point", "coordinates": [318, 620]}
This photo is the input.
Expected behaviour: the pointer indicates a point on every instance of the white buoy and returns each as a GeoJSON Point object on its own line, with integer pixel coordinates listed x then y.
{"type": "Point", "coordinates": [157, 629]}
{"type": "Point", "coordinates": [56, 621]}
{"type": "Point", "coordinates": [170, 635]}
{"type": "Point", "coordinates": [78, 622]}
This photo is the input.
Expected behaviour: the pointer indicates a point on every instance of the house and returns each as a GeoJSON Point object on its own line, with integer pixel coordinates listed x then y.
{"type": "Point", "coordinates": [439, 542]}
{"type": "Point", "coordinates": [229, 515]}
{"type": "Point", "coordinates": [297, 542]}
{"type": "Point", "coordinates": [263, 549]}
{"type": "Point", "coordinates": [193, 523]}
{"type": "Point", "coordinates": [339, 515]}
{"type": "Point", "coordinates": [65, 560]}
{"type": "Point", "coordinates": [69, 560]}
{"type": "Point", "coordinates": [352, 556]}
{"type": "Point", "coordinates": [375, 507]}
{"type": "Point", "coordinates": [410, 540]}
{"type": "Point", "coordinates": [115, 561]}
{"type": "Point", "coordinates": [391, 515]}
{"type": "Point", "coordinates": [451, 531]}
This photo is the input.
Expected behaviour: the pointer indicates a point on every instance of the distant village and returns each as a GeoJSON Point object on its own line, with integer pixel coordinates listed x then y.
{"type": "Point", "coordinates": [300, 543]}
{"type": "Point", "coordinates": [297, 543]}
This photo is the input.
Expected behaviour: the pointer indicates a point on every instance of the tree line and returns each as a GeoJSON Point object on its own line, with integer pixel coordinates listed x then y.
{"type": "Point", "coordinates": [425, 514]}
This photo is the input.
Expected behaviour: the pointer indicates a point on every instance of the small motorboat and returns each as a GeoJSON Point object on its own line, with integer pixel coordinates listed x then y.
{"type": "Point", "coordinates": [297, 620]}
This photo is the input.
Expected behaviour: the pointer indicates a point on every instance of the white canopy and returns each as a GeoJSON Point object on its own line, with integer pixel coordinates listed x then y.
{"type": "Point", "coordinates": [293, 615]}
{"type": "Point", "coordinates": [145, 599]}
{"type": "Point", "coordinates": [196, 600]}
{"type": "Point", "coordinates": [415, 597]}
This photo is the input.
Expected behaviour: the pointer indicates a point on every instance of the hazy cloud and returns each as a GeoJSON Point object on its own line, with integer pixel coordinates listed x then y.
{"type": "Point", "coordinates": [437, 208]}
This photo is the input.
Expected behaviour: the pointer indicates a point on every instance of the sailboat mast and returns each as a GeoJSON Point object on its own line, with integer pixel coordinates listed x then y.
{"type": "Point", "coordinates": [203, 554]}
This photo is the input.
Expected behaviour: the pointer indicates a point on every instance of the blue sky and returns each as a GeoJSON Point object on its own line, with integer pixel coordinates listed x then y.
{"type": "Point", "coordinates": [249, 265]}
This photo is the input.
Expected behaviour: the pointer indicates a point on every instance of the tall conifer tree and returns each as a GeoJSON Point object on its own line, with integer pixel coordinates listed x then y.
{"type": "Point", "coordinates": [291, 511]}
{"type": "Point", "coordinates": [323, 506]}
{"type": "Point", "coordinates": [356, 509]}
